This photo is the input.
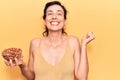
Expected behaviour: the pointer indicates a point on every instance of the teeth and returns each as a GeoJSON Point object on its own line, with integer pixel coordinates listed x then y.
{"type": "Point", "coordinates": [54, 23]}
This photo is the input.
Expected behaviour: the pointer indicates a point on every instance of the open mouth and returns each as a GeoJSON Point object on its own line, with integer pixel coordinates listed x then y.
{"type": "Point", "coordinates": [54, 23]}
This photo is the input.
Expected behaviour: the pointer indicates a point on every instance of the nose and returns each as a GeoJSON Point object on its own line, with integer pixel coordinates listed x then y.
{"type": "Point", "coordinates": [54, 16]}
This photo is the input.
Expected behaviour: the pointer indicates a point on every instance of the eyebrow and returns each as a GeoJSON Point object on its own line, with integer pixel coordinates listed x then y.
{"type": "Point", "coordinates": [57, 11]}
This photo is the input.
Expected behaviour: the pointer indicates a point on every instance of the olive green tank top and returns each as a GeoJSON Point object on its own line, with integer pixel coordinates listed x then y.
{"type": "Point", "coordinates": [63, 70]}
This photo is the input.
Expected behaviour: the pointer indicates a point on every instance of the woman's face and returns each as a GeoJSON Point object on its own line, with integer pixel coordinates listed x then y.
{"type": "Point", "coordinates": [55, 18]}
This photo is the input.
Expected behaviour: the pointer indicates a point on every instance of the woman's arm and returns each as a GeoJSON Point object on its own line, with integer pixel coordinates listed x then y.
{"type": "Point", "coordinates": [83, 67]}
{"type": "Point", "coordinates": [27, 70]}
{"type": "Point", "coordinates": [80, 57]}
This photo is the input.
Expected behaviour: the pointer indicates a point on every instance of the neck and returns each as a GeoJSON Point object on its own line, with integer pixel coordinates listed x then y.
{"type": "Point", "coordinates": [55, 39]}
{"type": "Point", "coordinates": [55, 36]}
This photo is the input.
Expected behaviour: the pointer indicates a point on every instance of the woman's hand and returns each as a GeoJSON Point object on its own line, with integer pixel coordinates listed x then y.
{"type": "Point", "coordinates": [12, 56]}
{"type": "Point", "coordinates": [15, 62]}
{"type": "Point", "coordinates": [88, 38]}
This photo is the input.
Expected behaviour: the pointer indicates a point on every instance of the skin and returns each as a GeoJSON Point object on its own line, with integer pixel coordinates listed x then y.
{"type": "Point", "coordinates": [54, 43]}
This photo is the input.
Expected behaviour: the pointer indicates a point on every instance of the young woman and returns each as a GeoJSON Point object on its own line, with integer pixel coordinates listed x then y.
{"type": "Point", "coordinates": [56, 56]}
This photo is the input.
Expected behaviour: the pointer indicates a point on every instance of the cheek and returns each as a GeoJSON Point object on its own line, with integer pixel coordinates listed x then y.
{"type": "Point", "coordinates": [64, 21]}
{"type": "Point", "coordinates": [47, 18]}
{"type": "Point", "coordinates": [47, 23]}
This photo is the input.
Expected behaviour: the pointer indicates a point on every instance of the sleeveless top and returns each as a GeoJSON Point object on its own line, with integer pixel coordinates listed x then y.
{"type": "Point", "coordinates": [63, 70]}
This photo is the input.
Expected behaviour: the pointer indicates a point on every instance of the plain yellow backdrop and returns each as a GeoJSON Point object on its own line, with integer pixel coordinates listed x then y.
{"type": "Point", "coordinates": [21, 21]}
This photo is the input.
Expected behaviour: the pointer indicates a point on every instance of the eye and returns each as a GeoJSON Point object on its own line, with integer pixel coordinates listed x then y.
{"type": "Point", "coordinates": [49, 14]}
{"type": "Point", "coordinates": [60, 14]}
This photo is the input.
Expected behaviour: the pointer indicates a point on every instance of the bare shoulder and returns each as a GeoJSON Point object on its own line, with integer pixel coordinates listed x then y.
{"type": "Point", "coordinates": [74, 43]}
{"type": "Point", "coordinates": [34, 43]}
{"type": "Point", "coordinates": [73, 40]}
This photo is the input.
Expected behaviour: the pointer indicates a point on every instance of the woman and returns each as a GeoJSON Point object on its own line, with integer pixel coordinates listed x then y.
{"type": "Point", "coordinates": [56, 56]}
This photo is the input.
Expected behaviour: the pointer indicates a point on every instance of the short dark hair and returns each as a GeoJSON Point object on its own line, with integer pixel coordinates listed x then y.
{"type": "Point", "coordinates": [45, 33]}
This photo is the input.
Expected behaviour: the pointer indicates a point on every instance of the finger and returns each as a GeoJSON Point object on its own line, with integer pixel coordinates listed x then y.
{"type": "Point", "coordinates": [91, 36]}
{"type": "Point", "coordinates": [21, 60]}
{"type": "Point", "coordinates": [16, 61]}
{"type": "Point", "coordinates": [11, 63]}
{"type": "Point", "coordinates": [6, 62]}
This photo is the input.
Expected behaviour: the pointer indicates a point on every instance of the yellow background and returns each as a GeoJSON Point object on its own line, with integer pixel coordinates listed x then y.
{"type": "Point", "coordinates": [21, 21]}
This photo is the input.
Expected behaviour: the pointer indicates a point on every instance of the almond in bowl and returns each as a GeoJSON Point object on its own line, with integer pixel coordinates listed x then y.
{"type": "Point", "coordinates": [11, 53]}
